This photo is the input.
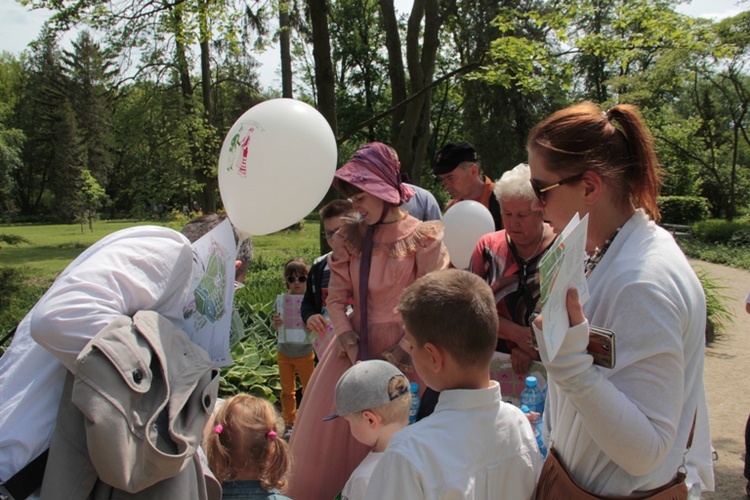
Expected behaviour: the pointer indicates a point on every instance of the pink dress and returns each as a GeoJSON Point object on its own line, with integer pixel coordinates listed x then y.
{"type": "Point", "coordinates": [325, 453]}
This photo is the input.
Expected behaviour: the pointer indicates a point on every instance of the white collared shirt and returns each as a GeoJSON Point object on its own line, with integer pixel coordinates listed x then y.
{"type": "Point", "coordinates": [474, 446]}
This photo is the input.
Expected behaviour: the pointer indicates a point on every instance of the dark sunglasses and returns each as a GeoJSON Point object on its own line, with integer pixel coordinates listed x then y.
{"type": "Point", "coordinates": [539, 190]}
{"type": "Point", "coordinates": [292, 279]}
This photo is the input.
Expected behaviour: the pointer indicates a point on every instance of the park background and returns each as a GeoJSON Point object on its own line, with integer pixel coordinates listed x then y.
{"type": "Point", "coordinates": [115, 113]}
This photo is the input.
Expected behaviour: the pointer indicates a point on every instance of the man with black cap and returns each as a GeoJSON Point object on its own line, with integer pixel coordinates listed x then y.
{"type": "Point", "coordinates": [456, 165]}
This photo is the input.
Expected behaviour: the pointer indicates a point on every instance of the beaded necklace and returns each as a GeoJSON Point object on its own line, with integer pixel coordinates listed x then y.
{"type": "Point", "coordinates": [593, 259]}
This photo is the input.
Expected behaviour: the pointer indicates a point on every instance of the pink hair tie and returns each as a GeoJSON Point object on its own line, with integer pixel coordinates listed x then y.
{"type": "Point", "coordinates": [271, 435]}
{"type": "Point", "coordinates": [218, 429]}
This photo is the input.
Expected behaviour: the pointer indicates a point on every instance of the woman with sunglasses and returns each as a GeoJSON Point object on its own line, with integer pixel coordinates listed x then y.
{"type": "Point", "coordinates": [374, 259]}
{"type": "Point", "coordinates": [621, 431]}
{"type": "Point", "coordinates": [508, 260]}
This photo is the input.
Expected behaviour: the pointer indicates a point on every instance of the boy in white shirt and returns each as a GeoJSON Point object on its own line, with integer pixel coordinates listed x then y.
{"type": "Point", "coordinates": [474, 446]}
{"type": "Point", "coordinates": [373, 396]}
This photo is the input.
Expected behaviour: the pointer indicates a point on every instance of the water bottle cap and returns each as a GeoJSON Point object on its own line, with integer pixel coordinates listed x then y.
{"type": "Point", "coordinates": [525, 409]}
{"type": "Point", "coordinates": [414, 386]}
{"type": "Point", "coordinates": [531, 381]}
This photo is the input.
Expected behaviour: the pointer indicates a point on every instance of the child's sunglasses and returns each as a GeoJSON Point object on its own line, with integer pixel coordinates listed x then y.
{"type": "Point", "coordinates": [292, 279]}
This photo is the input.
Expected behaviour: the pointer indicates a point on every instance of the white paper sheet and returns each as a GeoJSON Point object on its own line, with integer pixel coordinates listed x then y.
{"type": "Point", "coordinates": [292, 331]}
{"type": "Point", "coordinates": [208, 314]}
{"type": "Point", "coordinates": [561, 268]}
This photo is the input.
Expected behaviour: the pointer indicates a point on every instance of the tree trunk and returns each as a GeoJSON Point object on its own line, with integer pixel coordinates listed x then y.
{"type": "Point", "coordinates": [285, 43]}
{"type": "Point", "coordinates": [414, 130]}
{"type": "Point", "coordinates": [396, 72]}
{"type": "Point", "coordinates": [324, 77]}
{"type": "Point", "coordinates": [205, 173]}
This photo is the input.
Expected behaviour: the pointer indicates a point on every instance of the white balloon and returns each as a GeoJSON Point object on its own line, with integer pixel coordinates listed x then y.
{"type": "Point", "coordinates": [276, 164]}
{"type": "Point", "coordinates": [465, 222]}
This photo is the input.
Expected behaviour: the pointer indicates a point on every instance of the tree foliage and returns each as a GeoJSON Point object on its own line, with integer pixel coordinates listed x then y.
{"type": "Point", "coordinates": [144, 106]}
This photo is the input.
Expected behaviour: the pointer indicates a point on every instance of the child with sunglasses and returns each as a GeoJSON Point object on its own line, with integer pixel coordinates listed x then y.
{"type": "Point", "coordinates": [295, 356]}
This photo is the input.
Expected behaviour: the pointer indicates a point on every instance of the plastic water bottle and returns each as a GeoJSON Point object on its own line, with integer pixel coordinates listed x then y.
{"type": "Point", "coordinates": [537, 426]}
{"type": "Point", "coordinates": [414, 387]}
{"type": "Point", "coordinates": [532, 397]}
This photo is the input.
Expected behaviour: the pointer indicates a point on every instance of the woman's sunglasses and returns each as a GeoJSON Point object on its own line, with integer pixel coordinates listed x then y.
{"type": "Point", "coordinates": [539, 190]}
{"type": "Point", "coordinates": [292, 279]}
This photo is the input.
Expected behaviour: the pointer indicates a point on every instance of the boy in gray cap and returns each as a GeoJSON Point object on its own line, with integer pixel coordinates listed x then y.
{"type": "Point", "coordinates": [373, 396]}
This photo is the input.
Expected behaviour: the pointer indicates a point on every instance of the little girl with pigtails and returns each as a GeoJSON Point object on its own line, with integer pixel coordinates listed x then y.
{"type": "Point", "coordinates": [245, 450]}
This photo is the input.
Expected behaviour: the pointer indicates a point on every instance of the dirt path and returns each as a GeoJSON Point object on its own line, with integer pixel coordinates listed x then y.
{"type": "Point", "coordinates": [727, 379]}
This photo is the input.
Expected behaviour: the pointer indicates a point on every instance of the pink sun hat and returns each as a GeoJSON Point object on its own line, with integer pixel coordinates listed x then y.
{"type": "Point", "coordinates": [373, 168]}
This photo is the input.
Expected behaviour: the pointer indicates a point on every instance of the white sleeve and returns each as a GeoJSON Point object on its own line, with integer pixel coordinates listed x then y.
{"type": "Point", "coordinates": [394, 477]}
{"type": "Point", "coordinates": [140, 272]}
{"type": "Point", "coordinates": [355, 488]}
{"type": "Point", "coordinates": [643, 399]}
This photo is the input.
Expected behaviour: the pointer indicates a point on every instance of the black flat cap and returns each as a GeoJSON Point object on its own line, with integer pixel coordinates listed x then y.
{"type": "Point", "coordinates": [451, 155]}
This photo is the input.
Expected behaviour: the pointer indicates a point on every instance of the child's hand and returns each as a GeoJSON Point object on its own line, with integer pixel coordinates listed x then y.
{"type": "Point", "coordinates": [533, 417]}
{"type": "Point", "coordinates": [317, 323]}
{"type": "Point", "coordinates": [277, 321]}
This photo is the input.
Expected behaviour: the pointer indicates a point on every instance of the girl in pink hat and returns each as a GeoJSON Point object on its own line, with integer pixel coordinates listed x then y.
{"type": "Point", "coordinates": [373, 260]}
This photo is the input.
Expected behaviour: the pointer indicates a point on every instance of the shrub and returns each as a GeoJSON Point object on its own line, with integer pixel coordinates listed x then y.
{"type": "Point", "coordinates": [683, 209]}
{"type": "Point", "coordinates": [12, 239]}
{"type": "Point", "coordinates": [255, 370]}
{"type": "Point", "coordinates": [718, 315]}
{"type": "Point", "coordinates": [721, 231]}
{"type": "Point", "coordinates": [733, 256]}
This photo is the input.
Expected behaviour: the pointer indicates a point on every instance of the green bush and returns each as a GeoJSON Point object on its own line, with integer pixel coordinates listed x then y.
{"type": "Point", "coordinates": [683, 209]}
{"type": "Point", "coordinates": [722, 231]}
{"type": "Point", "coordinates": [718, 315]}
{"type": "Point", "coordinates": [255, 370]}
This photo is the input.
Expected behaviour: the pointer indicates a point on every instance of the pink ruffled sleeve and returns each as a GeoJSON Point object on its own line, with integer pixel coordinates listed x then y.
{"type": "Point", "coordinates": [433, 255]}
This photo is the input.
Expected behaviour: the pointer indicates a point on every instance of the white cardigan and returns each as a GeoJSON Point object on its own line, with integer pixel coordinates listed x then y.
{"type": "Point", "coordinates": [625, 430]}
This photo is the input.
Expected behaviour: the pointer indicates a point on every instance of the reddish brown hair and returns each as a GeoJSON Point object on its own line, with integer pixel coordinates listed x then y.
{"type": "Point", "coordinates": [614, 144]}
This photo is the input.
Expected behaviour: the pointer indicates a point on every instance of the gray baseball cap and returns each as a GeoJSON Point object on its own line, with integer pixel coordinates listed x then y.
{"type": "Point", "coordinates": [365, 386]}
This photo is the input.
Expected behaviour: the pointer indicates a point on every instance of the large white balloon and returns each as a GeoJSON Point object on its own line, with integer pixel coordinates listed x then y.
{"type": "Point", "coordinates": [276, 164]}
{"type": "Point", "coordinates": [465, 222]}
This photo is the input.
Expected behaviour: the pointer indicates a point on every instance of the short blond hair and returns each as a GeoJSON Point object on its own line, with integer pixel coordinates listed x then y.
{"type": "Point", "coordinates": [395, 411]}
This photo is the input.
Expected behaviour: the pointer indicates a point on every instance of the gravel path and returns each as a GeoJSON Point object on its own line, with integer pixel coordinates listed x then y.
{"type": "Point", "coordinates": [727, 379]}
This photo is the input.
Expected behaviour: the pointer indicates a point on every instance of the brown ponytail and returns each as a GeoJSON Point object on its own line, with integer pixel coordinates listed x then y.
{"type": "Point", "coordinates": [615, 144]}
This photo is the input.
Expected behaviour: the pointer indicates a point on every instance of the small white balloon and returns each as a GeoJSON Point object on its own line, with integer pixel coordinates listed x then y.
{"type": "Point", "coordinates": [465, 222]}
{"type": "Point", "coordinates": [276, 164]}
